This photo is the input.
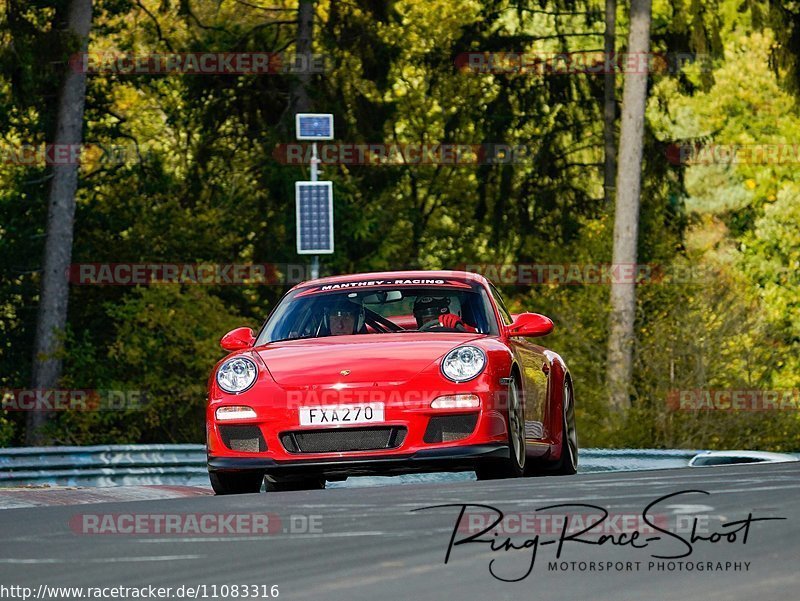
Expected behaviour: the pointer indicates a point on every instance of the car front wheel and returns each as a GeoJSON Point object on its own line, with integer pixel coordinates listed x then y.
{"type": "Point", "coordinates": [514, 465]}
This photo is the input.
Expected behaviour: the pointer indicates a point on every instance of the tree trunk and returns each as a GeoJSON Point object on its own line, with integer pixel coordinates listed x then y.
{"type": "Point", "coordinates": [610, 103]}
{"type": "Point", "coordinates": [52, 315]}
{"type": "Point", "coordinates": [626, 218]}
{"type": "Point", "coordinates": [299, 101]}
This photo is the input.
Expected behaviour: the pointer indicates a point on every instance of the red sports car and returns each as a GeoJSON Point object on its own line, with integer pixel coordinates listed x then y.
{"type": "Point", "coordinates": [386, 373]}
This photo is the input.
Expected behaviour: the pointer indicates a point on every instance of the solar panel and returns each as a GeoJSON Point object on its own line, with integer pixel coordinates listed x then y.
{"type": "Point", "coordinates": [314, 126]}
{"type": "Point", "coordinates": [314, 202]}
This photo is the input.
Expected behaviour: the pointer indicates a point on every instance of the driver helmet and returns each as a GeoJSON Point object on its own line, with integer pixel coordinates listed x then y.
{"type": "Point", "coordinates": [345, 308]}
{"type": "Point", "coordinates": [429, 308]}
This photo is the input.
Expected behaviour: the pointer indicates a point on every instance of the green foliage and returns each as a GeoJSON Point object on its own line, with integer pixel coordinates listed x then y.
{"type": "Point", "coordinates": [772, 259]}
{"type": "Point", "coordinates": [737, 323]}
{"type": "Point", "coordinates": [202, 184]}
{"type": "Point", "coordinates": [164, 343]}
{"type": "Point", "coordinates": [6, 432]}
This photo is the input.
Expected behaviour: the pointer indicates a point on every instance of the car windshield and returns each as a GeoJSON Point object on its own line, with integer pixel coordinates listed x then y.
{"type": "Point", "coordinates": [380, 310]}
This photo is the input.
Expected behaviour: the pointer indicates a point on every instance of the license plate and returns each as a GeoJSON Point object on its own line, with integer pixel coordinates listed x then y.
{"type": "Point", "coordinates": [332, 415]}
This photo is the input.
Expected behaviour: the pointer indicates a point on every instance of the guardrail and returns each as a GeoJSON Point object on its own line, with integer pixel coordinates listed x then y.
{"type": "Point", "coordinates": [106, 465]}
{"type": "Point", "coordinates": [185, 464]}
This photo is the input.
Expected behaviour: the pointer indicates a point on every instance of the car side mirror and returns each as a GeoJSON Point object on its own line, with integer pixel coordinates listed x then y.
{"type": "Point", "coordinates": [530, 324]}
{"type": "Point", "coordinates": [238, 339]}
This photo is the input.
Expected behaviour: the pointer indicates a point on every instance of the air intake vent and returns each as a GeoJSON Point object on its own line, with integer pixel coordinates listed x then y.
{"type": "Point", "coordinates": [445, 428]}
{"type": "Point", "coordinates": [340, 440]}
{"type": "Point", "coordinates": [247, 439]}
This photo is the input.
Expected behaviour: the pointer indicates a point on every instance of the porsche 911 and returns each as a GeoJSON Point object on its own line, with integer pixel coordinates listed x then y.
{"type": "Point", "coordinates": [388, 373]}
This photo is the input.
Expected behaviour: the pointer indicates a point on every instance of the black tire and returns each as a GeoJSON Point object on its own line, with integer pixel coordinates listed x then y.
{"type": "Point", "coordinates": [567, 464]}
{"type": "Point", "coordinates": [514, 465]}
{"type": "Point", "coordinates": [236, 483]}
{"type": "Point", "coordinates": [284, 485]}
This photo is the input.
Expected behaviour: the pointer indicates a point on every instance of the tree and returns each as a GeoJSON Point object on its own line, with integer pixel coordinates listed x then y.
{"type": "Point", "coordinates": [52, 316]}
{"type": "Point", "coordinates": [609, 103]}
{"type": "Point", "coordinates": [300, 101]}
{"type": "Point", "coordinates": [626, 217]}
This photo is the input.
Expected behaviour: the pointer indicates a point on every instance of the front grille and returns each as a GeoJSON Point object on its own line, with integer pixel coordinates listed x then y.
{"type": "Point", "coordinates": [243, 438]}
{"type": "Point", "coordinates": [445, 428]}
{"type": "Point", "coordinates": [339, 440]}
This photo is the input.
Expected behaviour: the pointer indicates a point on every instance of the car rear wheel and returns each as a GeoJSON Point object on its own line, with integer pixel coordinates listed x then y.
{"type": "Point", "coordinates": [567, 463]}
{"type": "Point", "coordinates": [274, 484]}
{"type": "Point", "coordinates": [514, 465]}
{"type": "Point", "coordinates": [236, 483]}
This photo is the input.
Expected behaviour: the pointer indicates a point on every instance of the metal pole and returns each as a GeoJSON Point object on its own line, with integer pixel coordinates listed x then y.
{"type": "Point", "coordinates": [314, 162]}
{"type": "Point", "coordinates": [314, 175]}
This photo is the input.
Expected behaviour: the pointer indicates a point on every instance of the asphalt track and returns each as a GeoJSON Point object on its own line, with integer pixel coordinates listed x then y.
{"type": "Point", "coordinates": [369, 543]}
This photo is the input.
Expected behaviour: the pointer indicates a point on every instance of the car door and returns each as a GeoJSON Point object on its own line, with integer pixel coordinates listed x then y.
{"type": "Point", "coordinates": [534, 368]}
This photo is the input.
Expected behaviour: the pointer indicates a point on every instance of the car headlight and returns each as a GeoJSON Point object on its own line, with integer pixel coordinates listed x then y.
{"type": "Point", "coordinates": [237, 374]}
{"type": "Point", "coordinates": [463, 363]}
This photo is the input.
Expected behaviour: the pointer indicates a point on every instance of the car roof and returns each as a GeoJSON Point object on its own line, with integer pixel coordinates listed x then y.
{"type": "Point", "coordinates": [464, 276]}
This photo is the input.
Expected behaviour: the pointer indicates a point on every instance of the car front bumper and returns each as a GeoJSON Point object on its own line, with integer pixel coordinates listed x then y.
{"type": "Point", "coordinates": [453, 458]}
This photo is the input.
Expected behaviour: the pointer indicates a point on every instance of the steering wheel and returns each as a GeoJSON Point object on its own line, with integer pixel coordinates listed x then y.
{"type": "Point", "coordinates": [435, 324]}
{"type": "Point", "coordinates": [380, 320]}
{"type": "Point", "coordinates": [430, 326]}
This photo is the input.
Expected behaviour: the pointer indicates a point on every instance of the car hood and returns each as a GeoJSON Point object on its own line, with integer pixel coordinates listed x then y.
{"type": "Point", "coordinates": [369, 358]}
